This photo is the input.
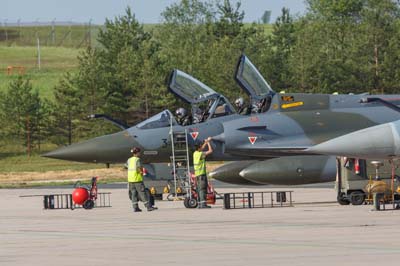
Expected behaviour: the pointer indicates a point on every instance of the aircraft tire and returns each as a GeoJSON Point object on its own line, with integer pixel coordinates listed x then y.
{"type": "Point", "coordinates": [357, 198]}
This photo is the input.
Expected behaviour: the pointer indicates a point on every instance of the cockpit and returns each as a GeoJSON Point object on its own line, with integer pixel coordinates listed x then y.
{"type": "Point", "coordinates": [163, 119]}
{"type": "Point", "coordinates": [207, 104]}
{"type": "Point", "coordinates": [204, 102]}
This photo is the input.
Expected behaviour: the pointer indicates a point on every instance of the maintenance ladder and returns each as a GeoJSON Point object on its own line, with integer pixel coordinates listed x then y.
{"type": "Point", "coordinates": [248, 200]}
{"type": "Point", "coordinates": [64, 201]}
{"type": "Point", "coordinates": [180, 160]}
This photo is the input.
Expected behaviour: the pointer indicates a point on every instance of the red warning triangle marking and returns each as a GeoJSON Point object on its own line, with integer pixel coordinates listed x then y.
{"type": "Point", "coordinates": [252, 139]}
{"type": "Point", "coordinates": [194, 135]}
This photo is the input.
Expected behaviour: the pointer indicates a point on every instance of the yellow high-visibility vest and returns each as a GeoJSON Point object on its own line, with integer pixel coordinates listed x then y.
{"type": "Point", "coordinates": [133, 174]}
{"type": "Point", "coordinates": [199, 163]}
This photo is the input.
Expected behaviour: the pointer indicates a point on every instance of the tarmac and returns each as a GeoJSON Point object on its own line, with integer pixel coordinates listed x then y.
{"type": "Point", "coordinates": [315, 231]}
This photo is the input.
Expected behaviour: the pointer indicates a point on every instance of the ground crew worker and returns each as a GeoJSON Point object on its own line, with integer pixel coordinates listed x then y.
{"type": "Point", "coordinates": [199, 161]}
{"type": "Point", "coordinates": [135, 182]}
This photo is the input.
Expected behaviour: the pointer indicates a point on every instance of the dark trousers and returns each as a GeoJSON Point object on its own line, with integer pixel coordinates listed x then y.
{"type": "Point", "coordinates": [202, 184]}
{"type": "Point", "coordinates": [137, 192]}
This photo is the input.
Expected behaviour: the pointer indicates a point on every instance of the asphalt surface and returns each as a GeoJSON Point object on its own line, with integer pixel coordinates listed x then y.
{"type": "Point", "coordinates": [316, 231]}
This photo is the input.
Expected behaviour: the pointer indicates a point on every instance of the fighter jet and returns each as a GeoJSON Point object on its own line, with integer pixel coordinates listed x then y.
{"type": "Point", "coordinates": [270, 139]}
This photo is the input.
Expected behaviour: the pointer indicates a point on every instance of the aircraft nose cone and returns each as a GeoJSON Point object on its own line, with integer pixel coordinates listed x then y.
{"type": "Point", "coordinates": [114, 148]}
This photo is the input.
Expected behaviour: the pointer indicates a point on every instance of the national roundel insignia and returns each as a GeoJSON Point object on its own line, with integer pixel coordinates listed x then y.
{"type": "Point", "coordinates": [252, 139]}
{"type": "Point", "coordinates": [194, 135]}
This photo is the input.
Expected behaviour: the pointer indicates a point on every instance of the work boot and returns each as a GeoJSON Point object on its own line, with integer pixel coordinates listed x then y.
{"type": "Point", "coordinates": [137, 209]}
{"type": "Point", "coordinates": [149, 209]}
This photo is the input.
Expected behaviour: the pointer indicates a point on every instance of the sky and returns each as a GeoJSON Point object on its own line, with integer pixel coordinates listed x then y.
{"type": "Point", "coordinates": [146, 11]}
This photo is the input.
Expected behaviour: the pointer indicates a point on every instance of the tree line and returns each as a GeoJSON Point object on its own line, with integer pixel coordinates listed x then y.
{"type": "Point", "coordinates": [345, 46]}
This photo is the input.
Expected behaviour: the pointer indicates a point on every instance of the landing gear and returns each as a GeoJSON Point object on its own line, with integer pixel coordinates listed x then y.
{"type": "Point", "coordinates": [341, 197]}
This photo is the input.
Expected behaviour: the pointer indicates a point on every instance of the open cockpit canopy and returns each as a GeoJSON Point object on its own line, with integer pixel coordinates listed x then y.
{"type": "Point", "coordinates": [205, 102]}
{"type": "Point", "coordinates": [250, 79]}
{"type": "Point", "coordinates": [188, 88]}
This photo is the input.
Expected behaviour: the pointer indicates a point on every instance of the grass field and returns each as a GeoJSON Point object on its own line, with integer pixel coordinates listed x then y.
{"type": "Point", "coordinates": [14, 158]}
{"type": "Point", "coordinates": [17, 169]}
{"type": "Point", "coordinates": [36, 163]}
{"type": "Point", "coordinates": [55, 61]}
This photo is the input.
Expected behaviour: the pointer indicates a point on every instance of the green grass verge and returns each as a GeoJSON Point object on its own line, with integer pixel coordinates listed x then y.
{"type": "Point", "coordinates": [14, 158]}
{"type": "Point", "coordinates": [36, 163]}
{"type": "Point", "coordinates": [55, 62]}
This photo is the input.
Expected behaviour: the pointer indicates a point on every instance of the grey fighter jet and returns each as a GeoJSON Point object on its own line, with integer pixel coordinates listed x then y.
{"type": "Point", "coordinates": [270, 140]}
